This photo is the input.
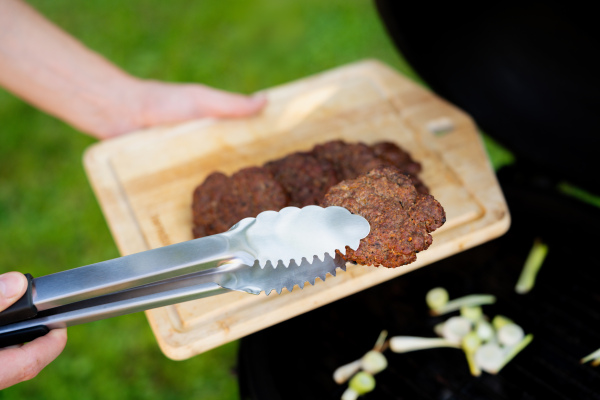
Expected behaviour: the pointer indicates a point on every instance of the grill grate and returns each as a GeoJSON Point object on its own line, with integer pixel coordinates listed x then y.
{"type": "Point", "coordinates": [563, 313]}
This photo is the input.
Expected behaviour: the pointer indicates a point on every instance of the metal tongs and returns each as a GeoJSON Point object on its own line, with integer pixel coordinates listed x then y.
{"type": "Point", "coordinates": [273, 251]}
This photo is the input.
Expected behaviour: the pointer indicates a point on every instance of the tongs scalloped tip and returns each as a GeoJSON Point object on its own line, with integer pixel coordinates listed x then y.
{"type": "Point", "coordinates": [293, 234]}
{"type": "Point", "coordinates": [305, 273]}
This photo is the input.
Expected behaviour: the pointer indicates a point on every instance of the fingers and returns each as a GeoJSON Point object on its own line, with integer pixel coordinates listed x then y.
{"type": "Point", "coordinates": [217, 103]}
{"type": "Point", "coordinates": [25, 362]}
{"type": "Point", "coordinates": [167, 103]}
{"type": "Point", "coordinates": [18, 364]}
{"type": "Point", "coordinates": [12, 286]}
{"type": "Point", "coordinates": [151, 103]}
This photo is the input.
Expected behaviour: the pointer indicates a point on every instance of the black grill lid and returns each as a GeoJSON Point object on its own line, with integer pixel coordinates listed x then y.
{"type": "Point", "coordinates": [526, 71]}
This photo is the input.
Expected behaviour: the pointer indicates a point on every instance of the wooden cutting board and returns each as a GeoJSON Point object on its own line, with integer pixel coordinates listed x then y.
{"type": "Point", "coordinates": [144, 183]}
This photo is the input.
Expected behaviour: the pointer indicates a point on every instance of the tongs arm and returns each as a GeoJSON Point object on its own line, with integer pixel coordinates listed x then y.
{"type": "Point", "coordinates": [130, 277]}
{"type": "Point", "coordinates": [153, 295]}
{"type": "Point", "coordinates": [130, 271]}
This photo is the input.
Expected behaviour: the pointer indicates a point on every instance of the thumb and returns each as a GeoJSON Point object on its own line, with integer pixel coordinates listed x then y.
{"type": "Point", "coordinates": [12, 286]}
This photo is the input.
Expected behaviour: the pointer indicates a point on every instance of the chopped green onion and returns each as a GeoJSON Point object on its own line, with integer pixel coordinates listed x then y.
{"type": "Point", "coordinates": [489, 357]}
{"type": "Point", "coordinates": [484, 330]}
{"type": "Point", "coordinates": [404, 344]}
{"type": "Point", "coordinates": [592, 356]}
{"type": "Point", "coordinates": [500, 320]}
{"type": "Point", "coordinates": [437, 297]}
{"type": "Point", "coordinates": [456, 328]}
{"type": "Point", "coordinates": [439, 329]}
{"type": "Point", "coordinates": [350, 394]}
{"type": "Point", "coordinates": [345, 372]}
{"type": "Point", "coordinates": [469, 301]}
{"type": "Point", "coordinates": [513, 351]}
{"type": "Point", "coordinates": [534, 262]}
{"type": "Point", "coordinates": [470, 344]}
{"type": "Point", "coordinates": [362, 383]}
{"type": "Point", "coordinates": [510, 334]}
{"type": "Point", "coordinates": [373, 362]}
{"type": "Point", "coordinates": [471, 313]}
{"type": "Point", "coordinates": [380, 343]}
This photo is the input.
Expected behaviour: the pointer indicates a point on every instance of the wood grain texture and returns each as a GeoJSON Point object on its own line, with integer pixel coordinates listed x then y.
{"type": "Point", "coordinates": [144, 183]}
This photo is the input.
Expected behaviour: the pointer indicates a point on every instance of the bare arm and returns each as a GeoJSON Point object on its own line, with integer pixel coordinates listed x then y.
{"type": "Point", "coordinates": [53, 71]}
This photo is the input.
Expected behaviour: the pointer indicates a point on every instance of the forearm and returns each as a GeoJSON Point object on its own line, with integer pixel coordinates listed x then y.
{"type": "Point", "coordinates": [50, 69]}
{"type": "Point", "coordinates": [53, 71]}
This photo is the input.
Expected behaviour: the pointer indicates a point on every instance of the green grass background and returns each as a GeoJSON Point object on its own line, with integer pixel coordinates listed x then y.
{"type": "Point", "coordinates": [49, 217]}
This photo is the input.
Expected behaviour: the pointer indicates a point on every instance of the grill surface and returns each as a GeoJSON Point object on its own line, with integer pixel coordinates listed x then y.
{"type": "Point", "coordinates": [296, 359]}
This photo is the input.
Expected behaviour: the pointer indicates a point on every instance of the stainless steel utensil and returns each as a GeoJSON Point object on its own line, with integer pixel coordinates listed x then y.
{"type": "Point", "coordinates": [273, 251]}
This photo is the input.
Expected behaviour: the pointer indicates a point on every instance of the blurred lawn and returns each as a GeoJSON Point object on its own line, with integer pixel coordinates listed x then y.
{"type": "Point", "coordinates": [49, 218]}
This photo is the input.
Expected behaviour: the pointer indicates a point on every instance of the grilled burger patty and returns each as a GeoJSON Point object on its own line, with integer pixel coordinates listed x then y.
{"type": "Point", "coordinates": [401, 218]}
{"type": "Point", "coordinates": [379, 182]}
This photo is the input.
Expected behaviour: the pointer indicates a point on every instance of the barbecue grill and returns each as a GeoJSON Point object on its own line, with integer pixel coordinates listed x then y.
{"type": "Point", "coordinates": [523, 74]}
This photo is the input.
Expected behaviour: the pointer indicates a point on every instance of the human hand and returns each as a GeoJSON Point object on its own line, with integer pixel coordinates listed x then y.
{"type": "Point", "coordinates": [24, 362]}
{"type": "Point", "coordinates": [146, 103]}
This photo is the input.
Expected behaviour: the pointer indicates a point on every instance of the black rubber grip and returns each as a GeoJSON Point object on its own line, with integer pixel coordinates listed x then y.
{"type": "Point", "coordinates": [23, 309]}
{"type": "Point", "coordinates": [22, 335]}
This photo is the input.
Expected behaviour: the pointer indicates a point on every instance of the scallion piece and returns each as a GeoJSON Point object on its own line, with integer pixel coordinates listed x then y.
{"type": "Point", "coordinates": [472, 300]}
{"type": "Point", "coordinates": [404, 344]}
{"type": "Point", "coordinates": [373, 362]}
{"type": "Point", "coordinates": [380, 343]}
{"type": "Point", "coordinates": [362, 383]}
{"type": "Point", "coordinates": [437, 297]}
{"type": "Point", "coordinates": [439, 329]}
{"type": "Point", "coordinates": [510, 334]}
{"type": "Point", "coordinates": [489, 357]}
{"type": "Point", "coordinates": [500, 320]}
{"type": "Point", "coordinates": [471, 313]}
{"type": "Point", "coordinates": [455, 328]}
{"type": "Point", "coordinates": [350, 394]}
{"type": "Point", "coordinates": [345, 372]}
{"type": "Point", "coordinates": [595, 356]}
{"type": "Point", "coordinates": [484, 330]}
{"type": "Point", "coordinates": [470, 344]}
{"type": "Point", "coordinates": [532, 265]}
{"type": "Point", "coordinates": [513, 351]}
